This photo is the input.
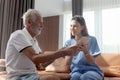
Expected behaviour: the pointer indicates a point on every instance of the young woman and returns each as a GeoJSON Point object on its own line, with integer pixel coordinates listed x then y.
{"type": "Point", "coordinates": [83, 65]}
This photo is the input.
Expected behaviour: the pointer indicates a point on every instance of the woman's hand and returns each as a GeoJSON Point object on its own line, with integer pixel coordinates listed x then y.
{"type": "Point", "coordinates": [83, 44]}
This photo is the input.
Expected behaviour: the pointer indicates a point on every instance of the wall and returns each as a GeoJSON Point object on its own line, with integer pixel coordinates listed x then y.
{"type": "Point", "coordinates": [49, 7]}
{"type": "Point", "coordinates": [48, 40]}
{"type": "Point", "coordinates": [53, 8]}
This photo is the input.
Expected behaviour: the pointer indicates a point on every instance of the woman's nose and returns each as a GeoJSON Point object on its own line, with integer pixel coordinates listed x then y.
{"type": "Point", "coordinates": [71, 27]}
{"type": "Point", "coordinates": [74, 28]}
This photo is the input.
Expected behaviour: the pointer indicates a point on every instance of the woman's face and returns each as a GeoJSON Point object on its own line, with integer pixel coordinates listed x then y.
{"type": "Point", "coordinates": [75, 28]}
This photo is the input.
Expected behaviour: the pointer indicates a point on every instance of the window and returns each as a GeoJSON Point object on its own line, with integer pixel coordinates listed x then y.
{"type": "Point", "coordinates": [105, 28]}
{"type": "Point", "coordinates": [89, 18]}
{"type": "Point", "coordinates": [102, 19]}
{"type": "Point", "coordinates": [111, 30]}
{"type": "Point", "coordinates": [66, 27]}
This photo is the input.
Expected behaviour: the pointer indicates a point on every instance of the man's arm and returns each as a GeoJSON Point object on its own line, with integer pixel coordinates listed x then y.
{"type": "Point", "coordinates": [41, 58]}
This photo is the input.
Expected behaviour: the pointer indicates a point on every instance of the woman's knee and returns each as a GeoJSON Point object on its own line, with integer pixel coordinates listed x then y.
{"type": "Point", "coordinates": [75, 76]}
{"type": "Point", "coordinates": [91, 76]}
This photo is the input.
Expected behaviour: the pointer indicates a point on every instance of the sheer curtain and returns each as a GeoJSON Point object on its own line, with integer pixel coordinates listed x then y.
{"type": "Point", "coordinates": [11, 12]}
{"type": "Point", "coordinates": [102, 18]}
{"type": "Point", "coordinates": [105, 20]}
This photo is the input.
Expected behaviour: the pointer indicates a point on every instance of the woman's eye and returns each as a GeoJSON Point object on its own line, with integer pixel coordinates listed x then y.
{"type": "Point", "coordinates": [75, 26]}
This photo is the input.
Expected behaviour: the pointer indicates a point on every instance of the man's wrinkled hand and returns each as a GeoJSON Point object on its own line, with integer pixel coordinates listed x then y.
{"type": "Point", "coordinates": [72, 50]}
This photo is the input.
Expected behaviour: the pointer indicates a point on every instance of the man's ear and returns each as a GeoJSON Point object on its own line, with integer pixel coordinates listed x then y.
{"type": "Point", "coordinates": [29, 22]}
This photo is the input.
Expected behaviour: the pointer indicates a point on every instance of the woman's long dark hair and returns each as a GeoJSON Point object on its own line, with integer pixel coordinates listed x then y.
{"type": "Point", "coordinates": [82, 22]}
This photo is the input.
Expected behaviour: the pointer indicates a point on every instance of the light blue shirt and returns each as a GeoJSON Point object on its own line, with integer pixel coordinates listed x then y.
{"type": "Point", "coordinates": [79, 62]}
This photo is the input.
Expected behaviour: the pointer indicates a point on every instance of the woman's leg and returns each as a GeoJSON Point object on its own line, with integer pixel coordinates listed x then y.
{"type": "Point", "coordinates": [75, 76]}
{"type": "Point", "coordinates": [91, 75]}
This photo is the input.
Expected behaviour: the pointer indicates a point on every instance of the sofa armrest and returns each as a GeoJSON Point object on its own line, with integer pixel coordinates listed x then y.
{"type": "Point", "coordinates": [2, 62]}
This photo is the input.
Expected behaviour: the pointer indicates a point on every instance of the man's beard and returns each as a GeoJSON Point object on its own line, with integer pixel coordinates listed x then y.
{"type": "Point", "coordinates": [36, 31]}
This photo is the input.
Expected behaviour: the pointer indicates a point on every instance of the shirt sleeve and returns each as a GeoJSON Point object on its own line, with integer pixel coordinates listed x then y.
{"type": "Point", "coordinates": [67, 43]}
{"type": "Point", "coordinates": [20, 42]}
{"type": "Point", "coordinates": [93, 47]}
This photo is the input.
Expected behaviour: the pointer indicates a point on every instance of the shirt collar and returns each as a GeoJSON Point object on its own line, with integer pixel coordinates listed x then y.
{"type": "Point", "coordinates": [28, 34]}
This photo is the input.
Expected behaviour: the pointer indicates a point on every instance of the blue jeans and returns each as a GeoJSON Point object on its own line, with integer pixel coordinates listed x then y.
{"type": "Point", "coordinates": [90, 75]}
{"type": "Point", "coordinates": [28, 77]}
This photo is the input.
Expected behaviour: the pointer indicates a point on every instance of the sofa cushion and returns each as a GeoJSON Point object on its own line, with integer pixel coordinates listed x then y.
{"type": "Point", "coordinates": [59, 65]}
{"type": "Point", "coordinates": [110, 64]}
{"type": "Point", "coordinates": [111, 71]}
{"type": "Point", "coordinates": [106, 59]}
{"type": "Point", "coordinates": [2, 77]}
{"type": "Point", "coordinates": [2, 62]}
{"type": "Point", "coordinates": [62, 76]}
{"type": "Point", "coordinates": [111, 78]}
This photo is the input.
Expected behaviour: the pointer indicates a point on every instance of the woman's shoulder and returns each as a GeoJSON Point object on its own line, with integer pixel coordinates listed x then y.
{"type": "Point", "coordinates": [92, 37]}
{"type": "Point", "coordinates": [69, 42]}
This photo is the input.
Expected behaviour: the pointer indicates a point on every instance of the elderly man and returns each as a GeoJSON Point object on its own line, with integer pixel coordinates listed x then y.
{"type": "Point", "coordinates": [23, 52]}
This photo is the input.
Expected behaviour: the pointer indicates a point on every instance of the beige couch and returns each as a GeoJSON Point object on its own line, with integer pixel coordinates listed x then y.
{"type": "Point", "coordinates": [109, 63]}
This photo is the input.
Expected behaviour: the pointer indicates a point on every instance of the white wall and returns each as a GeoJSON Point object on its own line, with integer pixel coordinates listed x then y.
{"type": "Point", "coordinates": [52, 8]}
{"type": "Point", "coordinates": [49, 7]}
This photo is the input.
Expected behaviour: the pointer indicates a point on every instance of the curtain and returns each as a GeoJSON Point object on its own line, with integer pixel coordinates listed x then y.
{"type": "Point", "coordinates": [102, 17]}
{"type": "Point", "coordinates": [11, 12]}
{"type": "Point", "coordinates": [77, 7]}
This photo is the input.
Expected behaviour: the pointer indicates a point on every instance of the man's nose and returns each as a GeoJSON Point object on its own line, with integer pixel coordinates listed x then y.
{"type": "Point", "coordinates": [42, 26]}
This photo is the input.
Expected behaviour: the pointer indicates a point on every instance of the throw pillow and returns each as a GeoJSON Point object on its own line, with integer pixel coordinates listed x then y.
{"type": "Point", "coordinates": [59, 65]}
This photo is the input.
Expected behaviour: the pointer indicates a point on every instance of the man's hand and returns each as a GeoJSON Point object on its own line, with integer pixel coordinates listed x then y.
{"type": "Point", "coordinates": [71, 50]}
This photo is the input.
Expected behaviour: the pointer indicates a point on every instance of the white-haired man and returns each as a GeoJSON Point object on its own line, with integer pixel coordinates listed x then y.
{"type": "Point", "coordinates": [23, 52]}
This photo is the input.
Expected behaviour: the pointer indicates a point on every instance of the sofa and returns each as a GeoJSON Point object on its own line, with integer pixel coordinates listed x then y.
{"type": "Point", "coordinates": [108, 62]}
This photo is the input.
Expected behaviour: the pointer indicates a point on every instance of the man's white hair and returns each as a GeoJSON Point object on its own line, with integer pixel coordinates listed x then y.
{"type": "Point", "coordinates": [30, 14]}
